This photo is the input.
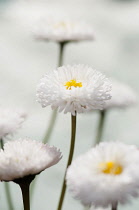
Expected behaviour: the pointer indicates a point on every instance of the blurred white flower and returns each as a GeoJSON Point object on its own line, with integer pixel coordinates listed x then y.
{"type": "Point", "coordinates": [63, 30]}
{"type": "Point", "coordinates": [122, 96]}
{"type": "Point", "coordinates": [26, 157]}
{"type": "Point", "coordinates": [107, 174]}
{"type": "Point", "coordinates": [76, 88]}
{"type": "Point", "coordinates": [10, 121]}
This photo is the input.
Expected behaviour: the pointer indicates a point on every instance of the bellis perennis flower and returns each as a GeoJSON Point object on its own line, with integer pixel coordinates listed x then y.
{"type": "Point", "coordinates": [107, 174]}
{"type": "Point", "coordinates": [25, 157]}
{"type": "Point", "coordinates": [10, 121]}
{"type": "Point", "coordinates": [122, 96]}
{"type": "Point", "coordinates": [62, 30]}
{"type": "Point", "coordinates": [76, 88]}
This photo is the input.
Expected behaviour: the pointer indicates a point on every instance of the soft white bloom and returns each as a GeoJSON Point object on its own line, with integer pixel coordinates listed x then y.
{"type": "Point", "coordinates": [10, 121]}
{"type": "Point", "coordinates": [122, 96]}
{"type": "Point", "coordinates": [26, 157]}
{"type": "Point", "coordinates": [76, 88]}
{"type": "Point", "coordinates": [63, 30]}
{"type": "Point", "coordinates": [108, 173]}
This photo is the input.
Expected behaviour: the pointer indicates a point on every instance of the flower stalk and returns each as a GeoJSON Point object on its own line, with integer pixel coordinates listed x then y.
{"type": "Point", "coordinates": [72, 144]}
{"type": "Point", "coordinates": [8, 195]}
{"type": "Point", "coordinates": [100, 126]}
{"type": "Point", "coordinates": [24, 184]}
{"type": "Point", "coordinates": [54, 113]}
{"type": "Point", "coordinates": [61, 53]}
{"type": "Point", "coordinates": [2, 144]}
{"type": "Point", "coordinates": [50, 127]}
{"type": "Point", "coordinates": [25, 195]}
{"type": "Point", "coordinates": [114, 206]}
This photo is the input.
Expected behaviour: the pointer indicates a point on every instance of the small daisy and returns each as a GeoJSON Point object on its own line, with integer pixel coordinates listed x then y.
{"type": "Point", "coordinates": [76, 88]}
{"type": "Point", "coordinates": [10, 121]}
{"type": "Point", "coordinates": [62, 30]}
{"type": "Point", "coordinates": [25, 157]}
{"type": "Point", "coordinates": [106, 175]}
{"type": "Point", "coordinates": [122, 96]}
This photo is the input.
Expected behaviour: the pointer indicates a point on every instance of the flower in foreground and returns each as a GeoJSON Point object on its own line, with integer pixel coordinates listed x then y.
{"type": "Point", "coordinates": [122, 96]}
{"type": "Point", "coordinates": [62, 30]}
{"type": "Point", "coordinates": [107, 174]}
{"type": "Point", "coordinates": [76, 88]}
{"type": "Point", "coordinates": [25, 157]}
{"type": "Point", "coordinates": [10, 121]}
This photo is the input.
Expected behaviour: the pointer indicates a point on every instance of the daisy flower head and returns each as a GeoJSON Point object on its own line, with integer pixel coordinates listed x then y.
{"type": "Point", "coordinates": [76, 88]}
{"type": "Point", "coordinates": [107, 174]}
{"type": "Point", "coordinates": [122, 96]}
{"type": "Point", "coordinates": [10, 121]}
{"type": "Point", "coordinates": [25, 157]}
{"type": "Point", "coordinates": [63, 30]}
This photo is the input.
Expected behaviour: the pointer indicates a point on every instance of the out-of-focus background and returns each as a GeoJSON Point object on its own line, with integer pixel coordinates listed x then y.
{"type": "Point", "coordinates": [23, 61]}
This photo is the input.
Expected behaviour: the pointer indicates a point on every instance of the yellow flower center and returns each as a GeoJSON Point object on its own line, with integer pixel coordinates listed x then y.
{"type": "Point", "coordinates": [72, 83]}
{"type": "Point", "coordinates": [111, 168]}
{"type": "Point", "coordinates": [63, 25]}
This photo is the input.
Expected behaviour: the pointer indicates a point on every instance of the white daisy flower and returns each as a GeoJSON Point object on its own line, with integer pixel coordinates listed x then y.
{"type": "Point", "coordinates": [63, 30]}
{"type": "Point", "coordinates": [76, 88]}
{"type": "Point", "coordinates": [10, 121]}
{"type": "Point", "coordinates": [107, 174]}
{"type": "Point", "coordinates": [122, 96]}
{"type": "Point", "coordinates": [26, 157]}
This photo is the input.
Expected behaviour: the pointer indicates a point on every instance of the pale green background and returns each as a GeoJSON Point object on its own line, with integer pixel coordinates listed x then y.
{"type": "Point", "coordinates": [23, 61]}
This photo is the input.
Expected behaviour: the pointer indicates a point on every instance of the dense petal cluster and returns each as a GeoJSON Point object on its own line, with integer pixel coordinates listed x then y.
{"type": "Point", "coordinates": [122, 96]}
{"type": "Point", "coordinates": [10, 121]}
{"type": "Point", "coordinates": [26, 157]}
{"type": "Point", "coordinates": [62, 30]}
{"type": "Point", "coordinates": [76, 88]}
{"type": "Point", "coordinates": [107, 174]}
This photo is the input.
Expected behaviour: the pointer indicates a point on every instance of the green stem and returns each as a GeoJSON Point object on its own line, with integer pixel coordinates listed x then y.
{"type": "Point", "coordinates": [61, 53]}
{"type": "Point", "coordinates": [50, 127]}
{"type": "Point", "coordinates": [6, 187]}
{"type": "Point", "coordinates": [86, 208]}
{"type": "Point", "coordinates": [100, 126]}
{"type": "Point", "coordinates": [72, 144]}
{"type": "Point", "coordinates": [25, 195]}
{"type": "Point", "coordinates": [2, 144]}
{"type": "Point", "coordinates": [114, 206]}
{"type": "Point", "coordinates": [54, 113]}
{"type": "Point", "coordinates": [8, 195]}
